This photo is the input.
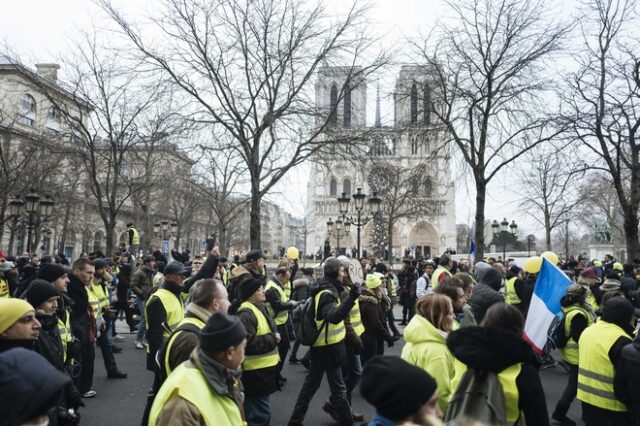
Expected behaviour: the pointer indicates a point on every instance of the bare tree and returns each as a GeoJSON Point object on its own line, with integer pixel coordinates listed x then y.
{"type": "Point", "coordinates": [489, 83]}
{"type": "Point", "coordinates": [248, 68]}
{"type": "Point", "coordinates": [550, 189]}
{"type": "Point", "coordinates": [605, 103]}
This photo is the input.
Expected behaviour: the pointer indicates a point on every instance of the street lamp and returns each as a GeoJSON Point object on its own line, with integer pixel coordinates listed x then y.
{"type": "Point", "coordinates": [33, 206]}
{"type": "Point", "coordinates": [340, 230]}
{"type": "Point", "coordinates": [358, 201]}
{"type": "Point", "coordinates": [165, 230]}
{"type": "Point", "coordinates": [530, 240]}
{"type": "Point", "coordinates": [503, 232]}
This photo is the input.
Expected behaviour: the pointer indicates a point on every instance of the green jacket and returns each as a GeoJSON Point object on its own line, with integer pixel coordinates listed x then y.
{"type": "Point", "coordinates": [426, 348]}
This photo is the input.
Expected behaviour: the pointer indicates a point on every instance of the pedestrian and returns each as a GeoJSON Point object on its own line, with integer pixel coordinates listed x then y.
{"type": "Point", "coordinates": [600, 354]}
{"type": "Point", "coordinates": [252, 267]}
{"type": "Point", "coordinates": [445, 264]}
{"type": "Point", "coordinates": [486, 292]}
{"type": "Point", "coordinates": [577, 317]}
{"type": "Point", "coordinates": [375, 333]}
{"type": "Point", "coordinates": [206, 389]}
{"type": "Point", "coordinates": [260, 366]}
{"type": "Point", "coordinates": [497, 346]}
{"type": "Point", "coordinates": [328, 352]}
{"type": "Point", "coordinates": [300, 293]}
{"type": "Point", "coordinates": [626, 383]}
{"type": "Point", "coordinates": [453, 288]}
{"type": "Point", "coordinates": [425, 338]}
{"type": "Point", "coordinates": [514, 287]}
{"type": "Point", "coordinates": [141, 285]}
{"type": "Point", "coordinates": [590, 280]}
{"type": "Point", "coordinates": [407, 278]}
{"type": "Point", "coordinates": [408, 396]}
{"type": "Point", "coordinates": [390, 294]}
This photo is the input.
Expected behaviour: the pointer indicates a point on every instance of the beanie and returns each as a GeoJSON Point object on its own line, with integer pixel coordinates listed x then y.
{"type": "Point", "coordinates": [589, 273]}
{"type": "Point", "coordinates": [51, 272]}
{"type": "Point", "coordinates": [515, 269]}
{"type": "Point", "coordinates": [248, 287]}
{"type": "Point", "coordinates": [381, 268]}
{"type": "Point", "coordinates": [374, 280]}
{"type": "Point", "coordinates": [618, 266]}
{"type": "Point", "coordinates": [332, 267]}
{"type": "Point", "coordinates": [100, 263]}
{"type": "Point", "coordinates": [396, 388]}
{"type": "Point", "coordinates": [492, 278]}
{"type": "Point", "coordinates": [221, 332]}
{"type": "Point", "coordinates": [576, 289]}
{"type": "Point", "coordinates": [40, 291]}
{"type": "Point", "coordinates": [29, 385]}
{"type": "Point", "coordinates": [618, 311]}
{"type": "Point", "coordinates": [11, 310]}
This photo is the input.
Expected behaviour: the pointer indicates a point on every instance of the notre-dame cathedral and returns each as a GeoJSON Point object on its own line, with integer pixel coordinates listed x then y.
{"type": "Point", "coordinates": [414, 142]}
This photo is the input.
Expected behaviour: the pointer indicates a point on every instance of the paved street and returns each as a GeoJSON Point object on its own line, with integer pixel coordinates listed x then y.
{"type": "Point", "coordinates": [121, 402]}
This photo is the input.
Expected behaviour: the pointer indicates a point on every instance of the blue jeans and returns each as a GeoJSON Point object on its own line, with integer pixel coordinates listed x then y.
{"type": "Point", "coordinates": [351, 371]}
{"type": "Point", "coordinates": [140, 306]}
{"type": "Point", "coordinates": [257, 410]}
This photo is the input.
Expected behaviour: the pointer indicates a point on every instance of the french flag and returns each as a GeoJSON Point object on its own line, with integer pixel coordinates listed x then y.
{"type": "Point", "coordinates": [550, 286]}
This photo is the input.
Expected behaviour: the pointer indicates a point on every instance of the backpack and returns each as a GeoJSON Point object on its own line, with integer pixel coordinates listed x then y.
{"type": "Point", "coordinates": [304, 322]}
{"type": "Point", "coordinates": [556, 337]}
{"type": "Point", "coordinates": [479, 397]}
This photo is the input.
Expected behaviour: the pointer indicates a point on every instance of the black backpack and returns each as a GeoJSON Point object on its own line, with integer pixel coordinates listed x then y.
{"type": "Point", "coordinates": [304, 323]}
{"type": "Point", "coordinates": [479, 397]}
{"type": "Point", "coordinates": [556, 337]}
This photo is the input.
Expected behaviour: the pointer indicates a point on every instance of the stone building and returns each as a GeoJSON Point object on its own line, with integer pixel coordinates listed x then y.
{"type": "Point", "coordinates": [414, 141]}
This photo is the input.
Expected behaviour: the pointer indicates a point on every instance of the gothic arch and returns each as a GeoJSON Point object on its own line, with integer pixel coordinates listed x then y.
{"type": "Point", "coordinates": [333, 104]}
{"type": "Point", "coordinates": [424, 236]}
{"type": "Point", "coordinates": [333, 187]}
{"type": "Point", "coordinates": [414, 104]}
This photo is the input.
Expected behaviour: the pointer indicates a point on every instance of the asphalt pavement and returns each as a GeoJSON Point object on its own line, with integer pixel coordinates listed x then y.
{"type": "Point", "coordinates": [122, 401]}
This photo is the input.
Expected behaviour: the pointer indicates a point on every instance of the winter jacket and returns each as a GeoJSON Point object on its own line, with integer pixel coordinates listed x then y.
{"type": "Point", "coordinates": [49, 344]}
{"type": "Point", "coordinates": [240, 274]}
{"type": "Point", "coordinates": [300, 289]}
{"type": "Point", "coordinates": [426, 348]}
{"type": "Point", "coordinates": [351, 338]}
{"type": "Point", "coordinates": [373, 316]}
{"type": "Point", "coordinates": [156, 316]}
{"type": "Point", "coordinates": [263, 381]}
{"type": "Point", "coordinates": [486, 293]}
{"type": "Point", "coordinates": [626, 384]}
{"type": "Point", "coordinates": [208, 270]}
{"type": "Point", "coordinates": [142, 281]}
{"type": "Point", "coordinates": [492, 349]}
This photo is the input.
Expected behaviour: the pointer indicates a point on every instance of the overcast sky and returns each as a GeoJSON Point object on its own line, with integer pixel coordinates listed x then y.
{"type": "Point", "coordinates": [43, 30]}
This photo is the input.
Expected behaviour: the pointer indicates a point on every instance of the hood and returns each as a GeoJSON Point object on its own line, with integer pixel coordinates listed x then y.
{"type": "Point", "coordinates": [326, 283]}
{"type": "Point", "coordinates": [491, 278]}
{"type": "Point", "coordinates": [366, 297]}
{"type": "Point", "coordinates": [301, 282]}
{"type": "Point", "coordinates": [488, 348]}
{"type": "Point", "coordinates": [419, 330]}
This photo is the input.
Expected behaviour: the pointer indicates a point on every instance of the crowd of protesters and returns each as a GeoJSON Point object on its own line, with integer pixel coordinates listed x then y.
{"type": "Point", "coordinates": [217, 334]}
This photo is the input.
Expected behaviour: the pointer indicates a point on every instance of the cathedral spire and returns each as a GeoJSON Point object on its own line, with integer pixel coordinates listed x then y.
{"type": "Point", "coordinates": [377, 105]}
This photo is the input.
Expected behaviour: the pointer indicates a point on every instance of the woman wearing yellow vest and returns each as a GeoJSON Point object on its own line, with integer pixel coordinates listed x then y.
{"type": "Point", "coordinates": [260, 365]}
{"type": "Point", "coordinates": [497, 346]}
{"type": "Point", "coordinates": [205, 390]}
{"type": "Point", "coordinates": [578, 315]}
{"type": "Point", "coordinates": [425, 338]}
{"type": "Point", "coordinates": [600, 353]}
{"type": "Point", "coordinates": [590, 280]}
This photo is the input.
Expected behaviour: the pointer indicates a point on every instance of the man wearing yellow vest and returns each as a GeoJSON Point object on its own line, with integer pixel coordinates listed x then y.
{"type": "Point", "coordinates": [442, 271]}
{"type": "Point", "coordinates": [260, 365]}
{"type": "Point", "coordinates": [164, 310]}
{"type": "Point", "coordinates": [328, 353]}
{"type": "Point", "coordinates": [133, 238]}
{"type": "Point", "coordinates": [600, 353]}
{"type": "Point", "coordinates": [278, 306]}
{"type": "Point", "coordinates": [514, 288]}
{"type": "Point", "coordinates": [206, 390]}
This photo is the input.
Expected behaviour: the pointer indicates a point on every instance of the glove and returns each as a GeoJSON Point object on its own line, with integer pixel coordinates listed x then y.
{"type": "Point", "coordinates": [355, 292]}
{"type": "Point", "coordinates": [390, 343]}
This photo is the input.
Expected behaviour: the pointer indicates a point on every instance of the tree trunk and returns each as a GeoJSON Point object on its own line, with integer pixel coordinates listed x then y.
{"type": "Point", "coordinates": [12, 237]}
{"type": "Point", "coordinates": [566, 241]}
{"type": "Point", "coordinates": [481, 190]}
{"type": "Point", "coordinates": [547, 230]}
{"type": "Point", "coordinates": [254, 217]}
{"type": "Point", "coordinates": [223, 236]}
{"type": "Point", "coordinates": [631, 235]}
{"type": "Point", "coordinates": [109, 228]}
{"type": "Point", "coordinates": [390, 239]}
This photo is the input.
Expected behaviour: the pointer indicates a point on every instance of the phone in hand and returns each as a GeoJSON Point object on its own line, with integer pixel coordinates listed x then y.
{"type": "Point", "coordinates": [211, 242]}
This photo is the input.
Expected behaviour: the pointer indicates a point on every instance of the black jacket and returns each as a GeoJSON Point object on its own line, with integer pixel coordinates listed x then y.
{"type": "Point", "coordinates": [483, 298]}
{"type": "Point", "coordinates": [208, 270]}
{"type": "Point", "coordinates": [263, 381]}
{"type": "Point", "coordinates": [627, 380]}
{"type": "Point", "coordinates": [331, 355]}
{"type": "Point", "coordinates": [49, 344]}
{"type": "Point", "coordinates": [156, 316]}
{"type": "Point", "coordinates": [492, 349]}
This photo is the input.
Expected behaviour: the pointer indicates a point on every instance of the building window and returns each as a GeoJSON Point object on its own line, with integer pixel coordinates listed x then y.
{"type": "Point", "coordinates": [27, 110]}
{"type": "Point", "coordinates": [428, 187]}
{"type": "Point", "coordinates": [347, 107]}
{"type": "Point", "coordinates": [333, 105]}
{"type": "Point", "coordinates": [414, 186]}
{"type": "Point", "coordinates": [53, 121]}
{"type": "Point", "coordinates": [414, 104]}
{"type": "Point", "coordinates": [333, 187]}
{"type": "Point", "coordinates": [427, 105]}
{"type": "Point", "coordinates": [346, 186]}
{"type": "Point", "coordinates": [414, 146]}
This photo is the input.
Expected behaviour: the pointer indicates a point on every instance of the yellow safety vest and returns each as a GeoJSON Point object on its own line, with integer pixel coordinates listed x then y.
{"type": "Point", "coordinates": [436, 276]}
{"type": "Point", "coordinates": [101, 294]}
{"type": "Point", "coordinates": [595, 371]}
{"type": "Point", "coordinates": [172, 306]}
{"type": "Point", "coordinates": [225, 276]}
{"type": "Point", "coordinates": [507, 379]}
{"type": "Point", "coordinates": [188, 320]}
{"type": "Point", "coordinates": [592, 300]}
{"type": "Point", "coordinates": [356, 319]}
{"type": "Point", "coordinates": [332, 333]}
{"type": "Point", "coordinates": [287, 290]}
{"type": "Point", "coordinates": [281, 316]}
{"type": "Point", "coordinates": [136, 236]}
{"type": "Point", "coordinates": [511, 297]}
{"type": "Point", "coordinates": [4, 288]}
{"type": "Point", "coordinates": [64, 329]}
{"type": "Point", "coordinates": [570, 351]}
{"type": "Point", "coordinates": [94, 300]}
{"type": "Point", "coordinates": [271, 358]}
{"type": "Point", "coordinates": [190, 385]}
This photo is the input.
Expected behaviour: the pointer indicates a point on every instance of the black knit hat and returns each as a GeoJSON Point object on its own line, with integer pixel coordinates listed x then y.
{"type": "Point", "coordinates": [617, 310]}
{"type": "Point", "coordinates": [396, 388]}
{"type": "Point", "coordinates": [221, 332]}
{"type": "Point", "coordinates": [51, 272]}
{"type": "Point", "coordinates": [248, 287]}
{"type": "Point", "coordinates": [40, 291]}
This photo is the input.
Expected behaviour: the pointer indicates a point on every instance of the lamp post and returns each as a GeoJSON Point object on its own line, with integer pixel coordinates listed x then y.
{"type": "Point", "coordinates": [37, 210]}
{"type": "Point", "coordinates": [530, 240]}
{"type": "Point", "coordinates": [502, 231]}
{"type": "Point", "coordinates": [165, 230]}
{"type": "Point", "coordinates": [338, 229]}
{"type": "Point", "coordinates": [358, 200]}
